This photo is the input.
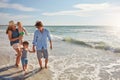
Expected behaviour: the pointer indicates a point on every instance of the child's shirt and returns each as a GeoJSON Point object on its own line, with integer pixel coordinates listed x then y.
{"type": "Point", "coordinates": [24, 53]}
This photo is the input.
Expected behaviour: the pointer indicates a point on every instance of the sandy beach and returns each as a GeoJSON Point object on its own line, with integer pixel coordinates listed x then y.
{"type": "Point", "coordinates": [82, 38]}
{"type": "Point", "coordinates": [8, 71]}
{"type": "Point", "coordinates": [70, 59]}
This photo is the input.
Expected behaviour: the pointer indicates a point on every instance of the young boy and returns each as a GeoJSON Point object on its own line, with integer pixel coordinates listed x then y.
{"type": "Point", "coordinates": [24, 59]}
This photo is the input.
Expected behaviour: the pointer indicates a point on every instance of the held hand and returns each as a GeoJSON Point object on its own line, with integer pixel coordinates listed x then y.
{"type": "Point", "coordinates": [33, 49]}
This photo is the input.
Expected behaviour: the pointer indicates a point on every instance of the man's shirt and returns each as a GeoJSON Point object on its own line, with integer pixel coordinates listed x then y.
{"type": "Point", "coordinates": [40, 39]}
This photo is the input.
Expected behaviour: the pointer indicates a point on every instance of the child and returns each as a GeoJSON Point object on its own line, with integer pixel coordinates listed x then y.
{"type": "Point", "coordinates": [24, 59]}
{"type": "Point", "coordinates": [21, 31]}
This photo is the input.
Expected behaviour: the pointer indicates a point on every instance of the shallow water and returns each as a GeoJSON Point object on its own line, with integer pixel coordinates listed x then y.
{"type": "Point", "coordinates": [82, 63]}
{"type": "Point", "coordinates": [72, 58]}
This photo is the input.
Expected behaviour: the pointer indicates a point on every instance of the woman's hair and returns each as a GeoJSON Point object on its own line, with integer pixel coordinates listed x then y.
{"type": "Point", "coordinates": [39, 24]}
{"type": "Point", "coordinates": [11, 23]}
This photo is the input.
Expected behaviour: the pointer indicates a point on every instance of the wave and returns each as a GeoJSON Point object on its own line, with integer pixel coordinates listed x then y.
{"type": "Point", "coordinates": [96, 45]}
{"type": "Point", "coordinates": [55, 37]}
{"type": "Point", "coordinates": [2, 30]}
{"type": "Point", "coordinates": [76, 42]}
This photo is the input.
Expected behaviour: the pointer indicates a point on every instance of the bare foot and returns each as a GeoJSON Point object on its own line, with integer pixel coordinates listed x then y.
{"type": "Point", "coordinates": [16, 54]}
{"type": "Point", "coordinates": [46, 67]}
{"type": "Point", "coordinates": [17, 65]}
{"type": "Point", "coordinates": [40, 68]}
{"type": "Point", "coordinates": [25, 73]}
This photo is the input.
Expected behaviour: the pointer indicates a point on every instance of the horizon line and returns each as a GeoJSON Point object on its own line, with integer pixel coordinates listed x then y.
{"type": "Point", "coordinates": [65, 25]}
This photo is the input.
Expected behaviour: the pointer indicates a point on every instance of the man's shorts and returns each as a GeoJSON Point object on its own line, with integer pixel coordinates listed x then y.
{"type": "Point", "coordinates": [24, 61]}
{"type": "Point", "coordinates": [42, 53]}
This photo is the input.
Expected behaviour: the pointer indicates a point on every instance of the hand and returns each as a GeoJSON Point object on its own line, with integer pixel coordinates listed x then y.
{"type": "Point", "coordinates": [51, 47]}
{"type": "Point", "coordinates": [20, 37]}
{"type": "Point", "coordinates": [50, 44]}
{"type": "Point", "coordinates": [33, 48]}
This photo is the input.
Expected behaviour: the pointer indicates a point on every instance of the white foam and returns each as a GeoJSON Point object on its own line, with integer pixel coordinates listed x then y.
{"type": "Point", "coordinates": [85, 64]}
{"type": "Point", "coordinates": [55, 37]}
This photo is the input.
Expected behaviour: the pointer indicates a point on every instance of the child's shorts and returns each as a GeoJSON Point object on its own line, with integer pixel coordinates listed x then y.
{"type": "Point", "coordinates": [24, 61]}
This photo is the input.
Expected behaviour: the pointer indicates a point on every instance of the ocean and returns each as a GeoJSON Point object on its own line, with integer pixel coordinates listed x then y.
{"type": "Point", "coordinates": [80, 52]}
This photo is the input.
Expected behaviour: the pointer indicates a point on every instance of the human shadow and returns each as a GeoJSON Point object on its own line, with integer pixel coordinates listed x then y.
{"type": "Point", "coordinates": [9, 76]}
{"type": "Point", "coordinates": [6, 68]}
{"type": "Point", "coordinates": [20, 76]}
{"type": "Point", "coordinates": [6, 76]}
{"type": "Point", "coordinates": [32, 73]}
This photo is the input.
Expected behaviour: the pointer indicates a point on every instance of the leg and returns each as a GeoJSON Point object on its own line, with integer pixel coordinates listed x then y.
{"type": "Point", "coordinates": [23, 63]}
{"type": "Point", "coordinates": [25, 67]}
{"type": "Point", "coordinates": [45, 53]}
{"type": "Point", "coordinates": [21, 41]}
{"type": "Point", "coordinates": [18, 56]}
{"type": "Point", "coordinates": [40, 63]}
{"type": "Point", "coordinates": [39, 56]}
{"type": "Point", "coordinates": [46, 61]}
{"type": "Point", "coordinates": [26, 62]}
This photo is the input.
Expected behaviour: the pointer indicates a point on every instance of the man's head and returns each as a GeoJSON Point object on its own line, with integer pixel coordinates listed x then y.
{"type": "Point", "coordinates": [39, 25]}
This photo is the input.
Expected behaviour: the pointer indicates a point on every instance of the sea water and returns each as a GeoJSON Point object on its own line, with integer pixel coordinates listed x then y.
{"type": "Point", "coordinates": [80, 52]}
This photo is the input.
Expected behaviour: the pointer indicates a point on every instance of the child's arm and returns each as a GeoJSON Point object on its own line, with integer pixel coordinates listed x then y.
{"type": "Point", "coordinates": [31, 51]}
{"type": "Point", "coordinates": [25, 31]}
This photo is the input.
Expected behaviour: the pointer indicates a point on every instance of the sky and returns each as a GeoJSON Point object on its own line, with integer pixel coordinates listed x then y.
{"type": "Point", "coordinates": [61, 12]}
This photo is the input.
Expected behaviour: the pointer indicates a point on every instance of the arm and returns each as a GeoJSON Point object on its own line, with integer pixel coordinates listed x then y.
{"type": "Point", "coordinates": [50, 44]}
{"type": "Point", "coordinates": [34, 41]}
{"type": "Point", "coordinates": [31, 51]}
{"type": "Point", "coordinates": [50, 41]}
{"type": "Point", "coordinates": [25, 31]}
{"type": "Point", "coordinates": [10, 36]}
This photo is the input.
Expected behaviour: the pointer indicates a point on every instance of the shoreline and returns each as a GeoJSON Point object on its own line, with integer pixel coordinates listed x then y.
{"type": "Point", "coordinates": [8, 71]}
{"type": "Point", "coordinates": [67, 61]}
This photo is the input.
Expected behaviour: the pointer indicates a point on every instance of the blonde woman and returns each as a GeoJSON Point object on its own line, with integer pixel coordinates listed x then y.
{"type": "Point", "coordinates": [13, 36]}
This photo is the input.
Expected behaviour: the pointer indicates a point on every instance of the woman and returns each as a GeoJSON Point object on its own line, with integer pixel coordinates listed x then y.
{"type": "Point", "coordinates": [14, 38]}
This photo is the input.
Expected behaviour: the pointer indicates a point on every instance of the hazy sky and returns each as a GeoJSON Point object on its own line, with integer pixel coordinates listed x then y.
{"type": "Point", "coordinates": [61, 12]}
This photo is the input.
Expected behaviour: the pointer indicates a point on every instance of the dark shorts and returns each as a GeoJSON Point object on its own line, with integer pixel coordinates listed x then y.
{"type": "Point", "coordinates": [24, 61]}
{"type": "Point", "coordinates": [42, 53]}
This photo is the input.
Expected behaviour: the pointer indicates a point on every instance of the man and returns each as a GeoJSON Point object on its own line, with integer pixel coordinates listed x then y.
{"type": "Point", "coordinates": [40, 41]}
